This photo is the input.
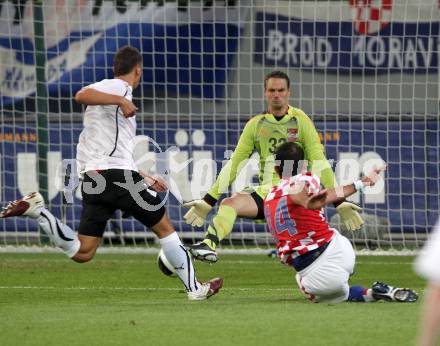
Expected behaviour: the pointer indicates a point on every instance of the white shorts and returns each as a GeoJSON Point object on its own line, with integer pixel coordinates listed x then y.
{"type": "Point", "coordinates": [427, 263]}
{"type": "Point", "coordinates": [326, 279]}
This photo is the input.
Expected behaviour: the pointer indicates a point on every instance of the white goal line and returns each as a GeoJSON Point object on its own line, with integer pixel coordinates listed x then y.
{"type": "Point", "coordinates": [148, 261]}
{"type": "Point", "coordinates": [153, 250]}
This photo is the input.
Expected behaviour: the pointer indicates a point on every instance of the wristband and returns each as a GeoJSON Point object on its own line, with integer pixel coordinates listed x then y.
{"type": "Point", "coordinates": [210, 200]}
{"type": "Point", "coordinates": [358, 185]}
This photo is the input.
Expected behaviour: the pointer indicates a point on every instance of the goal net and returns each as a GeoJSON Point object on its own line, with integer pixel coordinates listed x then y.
{"type": "Point", "coordinates": [366, 72]}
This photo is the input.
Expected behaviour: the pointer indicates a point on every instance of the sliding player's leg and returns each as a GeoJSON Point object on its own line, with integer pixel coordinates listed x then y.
{"type": "Point", "coordinates": [241, 204]}
{"type": "Point", "coordinates": [326, 279]}
{"type": "Point", "coordinates": [379, 290]}
{"type": "Point", "coordinates": [382, 291]}
{"type": "Point", "coordinates": [32, 206]}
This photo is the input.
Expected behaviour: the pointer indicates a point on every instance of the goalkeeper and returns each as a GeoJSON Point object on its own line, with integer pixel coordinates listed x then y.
{"type": "Point", "coordinates": [263, 133]}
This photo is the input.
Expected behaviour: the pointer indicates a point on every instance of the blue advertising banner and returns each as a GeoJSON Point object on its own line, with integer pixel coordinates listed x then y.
{"type": "Point", "coordinates": [340, 46]}
{"type": "Point", "coordinates": [185, 52]}
{"type": "Point", "coordinates": [409, 198]}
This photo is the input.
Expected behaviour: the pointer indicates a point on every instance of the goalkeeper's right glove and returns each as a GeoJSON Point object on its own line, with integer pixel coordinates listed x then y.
{"type": "Point", "coordinates": [199, 210]}
{"type": "Point", "coordinates": [349, 213]}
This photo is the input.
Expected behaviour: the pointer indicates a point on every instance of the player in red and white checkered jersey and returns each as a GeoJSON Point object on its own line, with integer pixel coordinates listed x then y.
{"type": "Point", "coordinates": [323, 258]}
{"type": "Point", "coordinates": [295, 227]}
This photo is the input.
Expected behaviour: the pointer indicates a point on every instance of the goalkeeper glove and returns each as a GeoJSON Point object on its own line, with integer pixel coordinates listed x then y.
{"type": "Point", "coordinates": [349, 213]}
{"type": "Point", "coordinates": [198, 211]}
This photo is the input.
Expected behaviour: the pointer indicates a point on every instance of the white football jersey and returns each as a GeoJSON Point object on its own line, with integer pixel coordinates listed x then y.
{"type": "Point", "coordinates": [427, 263]}
{"type": "Point", "coordinates": [107, 138]}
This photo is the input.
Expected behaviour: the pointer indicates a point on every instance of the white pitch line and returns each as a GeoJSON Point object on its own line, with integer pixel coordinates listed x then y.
{"type": "Point", "coordinates": [135, 288]}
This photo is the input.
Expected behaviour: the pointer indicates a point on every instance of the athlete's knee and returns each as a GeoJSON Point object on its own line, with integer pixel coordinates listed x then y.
{"type": "Point", "coordinates": [85, 254]}
{"type": "Point", "coordinates": [87, 249]}
{"type": "Point", "coordinates": [229, 201]}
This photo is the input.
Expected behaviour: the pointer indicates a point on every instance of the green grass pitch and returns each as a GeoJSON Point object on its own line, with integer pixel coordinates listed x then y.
{"type": "Point", "coordinates": [45, 299]}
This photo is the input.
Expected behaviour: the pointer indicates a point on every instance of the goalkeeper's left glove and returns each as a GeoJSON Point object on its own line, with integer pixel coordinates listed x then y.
{"type": "Point", "coordinates": [197, 213]}
{"type": "Point", "coordinates": [349, 213]}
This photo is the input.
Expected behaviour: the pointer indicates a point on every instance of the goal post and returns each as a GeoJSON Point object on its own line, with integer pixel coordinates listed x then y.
{"type": "Point", "coordinates": [365, 72]}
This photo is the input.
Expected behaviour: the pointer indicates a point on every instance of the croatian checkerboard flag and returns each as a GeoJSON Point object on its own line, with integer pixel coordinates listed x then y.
{"type": "Point", "coordinates": [369, 17]}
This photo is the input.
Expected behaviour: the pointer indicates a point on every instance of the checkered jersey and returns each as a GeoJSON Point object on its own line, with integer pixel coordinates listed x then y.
{"type": "Point", "coordinates": [297, 230]}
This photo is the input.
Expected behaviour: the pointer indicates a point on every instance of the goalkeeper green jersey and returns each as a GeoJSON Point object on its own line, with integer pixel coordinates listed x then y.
{"type": "Point", "coordinates": [264, 133]}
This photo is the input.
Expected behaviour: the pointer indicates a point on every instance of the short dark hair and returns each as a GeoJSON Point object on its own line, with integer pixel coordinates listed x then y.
{"type": "Point", "coordinates": [288, 156]}
{"type": "Point", "coordinates": [277, 74]}
{"type": "Point", "coordinates": [126, 59]}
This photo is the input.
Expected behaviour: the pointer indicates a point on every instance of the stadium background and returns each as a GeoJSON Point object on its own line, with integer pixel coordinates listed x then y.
{"type": "Point", "coordinates": [366, 73]}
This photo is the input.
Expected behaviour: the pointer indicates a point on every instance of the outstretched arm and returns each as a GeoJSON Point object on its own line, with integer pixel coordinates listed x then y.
{"type": "Point", "coordinates": [318, 200]}
{"type": "Point", "coordinates": [200, 208]}
{"type": "Point", "coordinates": [229, 172]}
{"type": "Point", "coordinates": [339, 193]}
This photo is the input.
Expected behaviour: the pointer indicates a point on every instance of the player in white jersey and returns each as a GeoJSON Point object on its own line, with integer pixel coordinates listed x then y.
{"type": "Point", "coordinates": [111, 180]}
{"type": "Point", "coordinates": [323, 259]}
{"type": "Point", "coordinates": [427, 265]}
